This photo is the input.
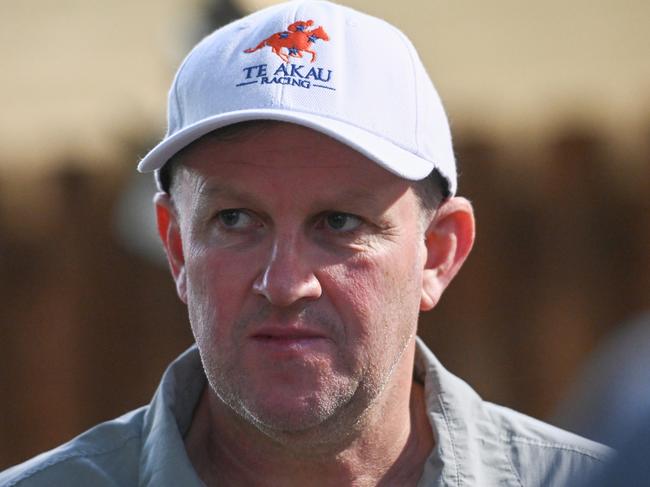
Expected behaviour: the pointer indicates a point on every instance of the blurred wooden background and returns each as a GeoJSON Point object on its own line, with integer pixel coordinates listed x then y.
{"type": "Point", "coordinates": [562, 257]}
{"type": "Point", "coordinates": [87, 325]}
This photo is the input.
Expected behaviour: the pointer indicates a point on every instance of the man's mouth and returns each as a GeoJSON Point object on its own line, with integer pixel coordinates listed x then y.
{"type": "Point", "coordinates": [289, 338]}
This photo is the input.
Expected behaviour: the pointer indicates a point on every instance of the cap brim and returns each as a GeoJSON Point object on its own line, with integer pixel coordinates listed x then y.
{"type": "Point", "coordinates": [391, 157]}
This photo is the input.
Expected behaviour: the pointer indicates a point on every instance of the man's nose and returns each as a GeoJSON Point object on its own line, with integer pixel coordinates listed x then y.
{"type": "Point", "coordinates": [288, 276]}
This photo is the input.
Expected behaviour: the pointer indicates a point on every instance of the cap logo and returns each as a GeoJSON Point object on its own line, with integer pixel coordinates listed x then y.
{"type": "Point", "coordinates": [297, 39]}
{"type": "Point", "coordinates": [289, 46]}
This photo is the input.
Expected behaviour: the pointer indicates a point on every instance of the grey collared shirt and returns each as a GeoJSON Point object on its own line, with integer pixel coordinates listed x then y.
{"type": "Point", "coordinates": [477, 443]}
{"type": "Point", "coordinates": [481, 444]}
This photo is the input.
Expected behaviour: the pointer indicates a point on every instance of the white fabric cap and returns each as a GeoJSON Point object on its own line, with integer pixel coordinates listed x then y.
{"type": "Point", "coordinates": [346, 74]}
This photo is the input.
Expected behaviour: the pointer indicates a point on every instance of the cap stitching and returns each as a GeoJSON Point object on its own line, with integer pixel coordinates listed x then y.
{"type": "Point", "coordinates": [176, 82]}
{"type": "Point", "coordinates": [405, 42]}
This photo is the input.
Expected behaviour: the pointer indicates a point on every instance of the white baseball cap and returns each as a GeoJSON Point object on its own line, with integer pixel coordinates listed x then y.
{"type": "Point", "coordinates": [346, 74]}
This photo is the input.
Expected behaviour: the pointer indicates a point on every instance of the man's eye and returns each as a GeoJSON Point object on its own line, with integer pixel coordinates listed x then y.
{"type": "Point", "coordinates": [342, 222]}
{"type": "Point", "coordinates": [234, 218]}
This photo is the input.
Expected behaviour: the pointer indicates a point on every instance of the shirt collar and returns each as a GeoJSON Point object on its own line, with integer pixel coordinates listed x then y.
{"type": "Point", "coordinates": [467, 449]}
{"type": "Point", "coordinates": [164, 460]}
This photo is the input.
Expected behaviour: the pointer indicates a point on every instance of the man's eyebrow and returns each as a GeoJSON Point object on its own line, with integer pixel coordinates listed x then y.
{"type": "Point", "coordinates": [210, 190]}
{"type": "Point", "coordinates": [334, 200]}
{"type": "Point", "coordinates": [357, 195]}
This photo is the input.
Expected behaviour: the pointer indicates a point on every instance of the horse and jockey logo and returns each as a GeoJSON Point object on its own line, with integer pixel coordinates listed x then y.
{"type": "Point", "coordinates": [297, 39]}
{"type": "Point", "coordinates": [289, 46]}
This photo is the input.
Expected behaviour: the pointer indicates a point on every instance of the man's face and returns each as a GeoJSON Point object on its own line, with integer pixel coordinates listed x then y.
{"type": "Point", "coordinates": [301, 268]}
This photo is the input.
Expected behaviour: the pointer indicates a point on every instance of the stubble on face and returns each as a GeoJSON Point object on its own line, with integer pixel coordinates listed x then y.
{"type": "Point", "coordinates": [344, 391]}
{"type": "Point", "coordinates": [343, 386]}
{"type": "Point", "coordinates": [231, 382]}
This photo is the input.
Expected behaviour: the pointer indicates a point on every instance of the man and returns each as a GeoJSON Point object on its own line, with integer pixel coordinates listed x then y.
{"type": "Point", "coordinates": [308, 213]}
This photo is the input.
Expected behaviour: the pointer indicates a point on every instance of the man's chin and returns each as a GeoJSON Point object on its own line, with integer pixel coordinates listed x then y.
{"type": "Point", "coordinates": [297, 416]}
{"type": "Point", "coordinates": [288, 404]}
{"type": "Point", "coordinates": [306, 420]}
{"type": "Point", "coordinates": [302, 433]}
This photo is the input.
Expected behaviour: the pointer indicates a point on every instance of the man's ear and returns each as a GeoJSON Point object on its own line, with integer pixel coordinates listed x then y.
{"type": "Point", "coordinates": [170, 235]}
{"type": "Point", "coordinates": [448, 239]}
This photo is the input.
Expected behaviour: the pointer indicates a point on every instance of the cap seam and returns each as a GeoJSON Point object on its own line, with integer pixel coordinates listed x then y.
{"type": "Point", "coordinates": [405, 42]}
{"type": "Point", "coordinates": [288, 21]}
{"type": "Point", "coordinates": [176, 82]}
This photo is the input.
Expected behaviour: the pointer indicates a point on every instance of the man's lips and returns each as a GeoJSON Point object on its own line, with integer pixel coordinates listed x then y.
{"type": "Point", "coordinates": [289, 337]}
{"type": "Point", "coordinates": [284, 333]}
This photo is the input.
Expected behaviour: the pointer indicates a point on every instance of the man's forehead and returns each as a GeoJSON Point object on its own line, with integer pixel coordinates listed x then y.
{"type": "Point", "coordinates": [304, 203]}
{"type": "Point", "coordinates": [216, 189]}
{"type": "Point", "coordinates": [300, 187]}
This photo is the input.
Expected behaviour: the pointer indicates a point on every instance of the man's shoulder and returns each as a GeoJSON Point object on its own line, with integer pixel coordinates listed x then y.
{"type": "Point", "coordinates": [495, 445]}
{"type": "Point", "coordinates": [105, 455]}
{"type": "Point", "coordinates": [542, 454]}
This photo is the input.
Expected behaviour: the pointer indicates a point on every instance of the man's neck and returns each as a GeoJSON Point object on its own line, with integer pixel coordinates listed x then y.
{"type": "Point", "coordinates": [390, 448]}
